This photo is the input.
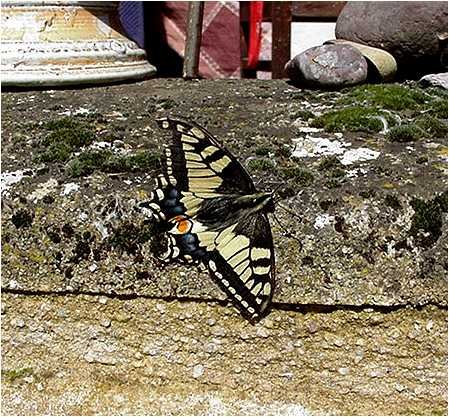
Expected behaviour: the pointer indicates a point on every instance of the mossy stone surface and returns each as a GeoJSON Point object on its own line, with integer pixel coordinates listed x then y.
{"type": "Point", "coordinates": [66, 223]}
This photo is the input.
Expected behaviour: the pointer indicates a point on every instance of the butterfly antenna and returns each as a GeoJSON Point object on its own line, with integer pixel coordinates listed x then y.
{"type": "Point", "coordinates": [277, 188]}
{"type": "Point", "coordinates": [286, 231]}
{"type": "Point", "coordinates": [291, 212]}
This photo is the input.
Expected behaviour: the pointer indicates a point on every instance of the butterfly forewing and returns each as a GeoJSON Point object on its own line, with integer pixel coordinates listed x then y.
{"type": "Point", "coordinates": [199, 164]}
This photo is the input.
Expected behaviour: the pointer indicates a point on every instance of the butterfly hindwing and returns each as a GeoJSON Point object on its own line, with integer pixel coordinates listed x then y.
{"type": "Point", "coordinates": [164, 204]}
{"type": "Point", "coordinates": [243, 264]}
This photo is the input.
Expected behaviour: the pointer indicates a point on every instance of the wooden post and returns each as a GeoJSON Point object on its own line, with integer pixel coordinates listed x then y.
{"type": "Point", "coordinates": [281, 19]}
{"type": "Point", "coordinates": [193, 39]}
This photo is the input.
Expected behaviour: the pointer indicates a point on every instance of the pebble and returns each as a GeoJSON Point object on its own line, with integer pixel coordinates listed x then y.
{"type": "Point", "coordinates": [122, 317]}
{"type": "Point", "coordinates": [102, 299]}
{"type": "Point", "coordinates": [211, 322]}
{"type": "Point", "coordinates": [13, 284]}
{"type": "Point", "coordinates": [419, 390]}
{"type": "Point", "coordinates": [413, 334]}
{"type": "Point", "coordinates": [137, 364]}
{"type": "Point", "coordinates": [105, 322]}
{"type": "Point", "coordinates": [19, 323]}
{"type": "Point", "coordinates": [211, 348]}
{"type": "Point", "coordinates": [160, 307]}
{"type": "Point", "coordinates": [312, 327]}
{"type": "Point", "coordinates": [219, 331]}
{"type": "Point", "coordinates": [376, 373]}
{"type": "Point", "coordinates": [198, 370]}
{"type": "Point", "coordinates": [262, 332]}
{"type": "Point", "coordinates": [289, 347]}
{"type": "Point", "coordinates": [150, 351]}
{"type": "Point", "coordinates": [98, 357]}
{"type": "Point", "coordinates": [61, 313]}
{"type": "Point", "coordinates": [434, 80]}
{"type": "Point", "coordinates": [395, 334]}
{"type": "Point", "coordinates": [39, 386]}
{"type": "Point", "coordinates": [429, 325]}
{"type": "Point", "coordinates": [298, 343]}
{"type": "Point", "coordinates": [328, 66]}
{"type": "Point", "coordinates": [399, 387]}
{"type": "Point", "coordinates": [119, 398]}
{"type": "Point", "coordinates": [343, 371]}
{"type": "Point", "coordinates": [358, 356]}
{"type": "Point", "coordinates": [29, 379]}
{"type": "Point", "coordinates": [339, 342]}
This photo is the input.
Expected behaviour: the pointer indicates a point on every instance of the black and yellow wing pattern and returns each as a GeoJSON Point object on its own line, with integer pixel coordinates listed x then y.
{"type": "Point", "coordinates": [214, 216]}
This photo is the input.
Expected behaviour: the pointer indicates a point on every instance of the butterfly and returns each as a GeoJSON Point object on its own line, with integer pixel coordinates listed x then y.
{"type": "Point", "coordinates": [213, 216]}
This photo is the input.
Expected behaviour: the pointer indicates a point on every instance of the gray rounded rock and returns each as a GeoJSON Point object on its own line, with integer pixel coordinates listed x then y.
{"type": "Point", "coordinates": [328, 66]}
{"type": "Point", "coordinates": [410, 31]}
{"type": "Point", "coordinates": [434, 80]}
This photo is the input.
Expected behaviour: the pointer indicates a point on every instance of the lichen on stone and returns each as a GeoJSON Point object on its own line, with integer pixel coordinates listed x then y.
{"type": "Point", "coordinates": [427, 221]}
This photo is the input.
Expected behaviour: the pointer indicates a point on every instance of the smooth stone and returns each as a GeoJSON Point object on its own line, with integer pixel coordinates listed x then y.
{"type": "Point", "coordinates": [410, 31]}
{"type": "Point", "coordinates": [434, 80]}
{"type": "Point", "coordinates": [328, 66]}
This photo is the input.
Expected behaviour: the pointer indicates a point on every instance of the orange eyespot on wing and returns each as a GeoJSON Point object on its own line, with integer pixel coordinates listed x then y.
{"type": "Point", "coordinates": [184, 226]}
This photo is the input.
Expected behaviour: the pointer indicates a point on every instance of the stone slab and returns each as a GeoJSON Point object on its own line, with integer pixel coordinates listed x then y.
{"type": "Point", "coordinates": [354, 243]}
{"type": "Point", "coordinates": [89, 355]}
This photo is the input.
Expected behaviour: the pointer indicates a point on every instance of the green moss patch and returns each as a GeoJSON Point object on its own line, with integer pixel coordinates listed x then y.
{"type": "Point", "coordinates": [302, 114]}
{"type": "Point", "coordinates": [263, 151]}
{"type": "Point", "coordinates": [12, 375]}
{"type": "Point", "coordinates": [106, 161]}
{"type": "Point", "coordinates": [329, 162]}
{"type": "Point", "coordinates": [301, 176]}
{"type": "Point", "coordinates": [386, 96]}
{"type": "Point", "coordinates": [351, 118]}
{"type": "Point", "coordinates": [427, 222]}
{"type": "Point", "coordinates": [283, 151]}
{"type": "Point", "coordinates": [438, 108]}
{"type": "Point", "coordinates": [405, 133]}
{"type": "Point", "coordinates": [260, 164]}
{"type": "Point", "coordinates": [129, 236]}
{"type": "Point", "coordinates": [433, 126]}
{"type": "Point", "coordinates": [65, 137]}
{"type": "Point", "coordinates": [333, 170]}
{"type": "Point", "coordinates": [333, 183]}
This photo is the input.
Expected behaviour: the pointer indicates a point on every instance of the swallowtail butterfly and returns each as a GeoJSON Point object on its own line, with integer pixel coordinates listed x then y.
{"type": "Point", "coordinates": [213, 215]}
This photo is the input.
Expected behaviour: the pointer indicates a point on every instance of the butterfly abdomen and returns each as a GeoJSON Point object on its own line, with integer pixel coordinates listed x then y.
{"type": "Point", "coordinates": [220, 212]}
